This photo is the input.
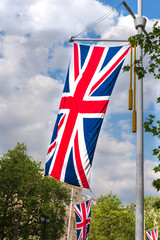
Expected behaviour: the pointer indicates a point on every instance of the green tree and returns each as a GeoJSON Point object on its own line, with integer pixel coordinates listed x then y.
{"type": "Point", "coordinates": [25, 194]}
{"type": "Point", "coordinates": [151, 47]}
{"type": "Point", "coordinates": [152, 214]}
{"type": "Point", "coordinates": [150, 44]}
{"type": "Point", "coordinates": [110, 220]}
{"type": "Point", "coordinates": [153, 127]}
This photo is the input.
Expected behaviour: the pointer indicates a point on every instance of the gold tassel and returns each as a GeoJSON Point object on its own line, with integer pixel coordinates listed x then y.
{"type": "Point", "coordinates": [134, 120]}
{"type": "Point", "coordinates": [134, 96]}
{"type": "Point", "coordinates": [130, 97]}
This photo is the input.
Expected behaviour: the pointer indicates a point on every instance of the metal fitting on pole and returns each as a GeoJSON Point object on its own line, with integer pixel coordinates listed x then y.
{"type": "Point", "coordinates": [140, 22]}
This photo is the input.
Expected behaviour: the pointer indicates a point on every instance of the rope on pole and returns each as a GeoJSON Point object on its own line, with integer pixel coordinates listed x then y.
{"type": "Point", "coordinates": [98, 20]}
{"type": "Point", "coordinates": [134, 95]}
{"type": "Point", "coordinates": [130, 102]}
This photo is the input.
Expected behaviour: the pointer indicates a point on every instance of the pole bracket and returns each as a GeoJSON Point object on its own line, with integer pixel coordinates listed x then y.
{"type": "Point", "coordinates": [140, 22]}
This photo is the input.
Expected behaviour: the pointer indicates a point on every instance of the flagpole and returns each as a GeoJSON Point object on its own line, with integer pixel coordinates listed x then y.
{"type": "Point", "coordinates": [144, 225]}
{"type": "Point", "coordinates": [72, 39]}
{"type": "Point", "coordinates": [139, 232]}
{"type": "Point", "coordinates": [147, 230]}
{"type": "Point", "coordinates": [69, 224]}
{"type": "Point", "coordinates": [140, 22]}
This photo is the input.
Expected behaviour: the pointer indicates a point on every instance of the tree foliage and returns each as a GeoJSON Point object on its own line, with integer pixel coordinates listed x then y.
{"type": "Point", "coordinates": [150, 44]}
{"type": "Point", "coordinates": [153, 127]}
{"type": "Point", "coordinates": [151, 47]}
{"type": "Point", "coordinates": [152, 214]}
{"type": "Point", "coordinates": [111, 220]}
{"type": "Point", "coordinates": [25, 194]}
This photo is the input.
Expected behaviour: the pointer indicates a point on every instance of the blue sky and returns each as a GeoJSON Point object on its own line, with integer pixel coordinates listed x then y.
{"type": "Point", "coordinates": [150, 9]}
{"type": "Point", "coordinates": [34, 57]}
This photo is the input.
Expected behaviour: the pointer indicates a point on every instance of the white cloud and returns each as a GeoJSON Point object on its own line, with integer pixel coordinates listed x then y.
{"type": "Point", "coordinates": [29, 114]}
{"type": "Point", "coordinates": [68, 16]}
{"type": "Point", "coordinates": [114, 167]}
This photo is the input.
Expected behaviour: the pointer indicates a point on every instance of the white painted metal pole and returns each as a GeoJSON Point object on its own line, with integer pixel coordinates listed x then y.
{"type": "Point", "coordinates": [139, 234]}
{"type": "Point", "coordinates": [69, 224]}
{"type": "Point", "coordinates": [72, 39]}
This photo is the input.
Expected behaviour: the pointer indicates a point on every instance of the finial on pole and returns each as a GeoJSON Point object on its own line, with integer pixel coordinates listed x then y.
{"type": "Point", "coordinates": [139, 21]}
{"type": "Point", "coordinates": [71, 39]}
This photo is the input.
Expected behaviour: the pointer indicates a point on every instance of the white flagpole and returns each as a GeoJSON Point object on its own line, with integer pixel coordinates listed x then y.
{"type": "Point", "coordinates": [144, 225]}
{"type": "Point", "coordinates": [72, 39]}
{"type": "Point", "coordinates": [139, 232]}
{"type": "Point", "coordinates": [69, 224]}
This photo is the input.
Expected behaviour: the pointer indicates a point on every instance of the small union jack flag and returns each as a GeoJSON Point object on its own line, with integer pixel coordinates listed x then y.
{"type": "Point", "coordinates": [90, 80]}
{"type": "Point", "coordinates": [152, 235]}
{"type": "Point", "coordinates": [83, 216]}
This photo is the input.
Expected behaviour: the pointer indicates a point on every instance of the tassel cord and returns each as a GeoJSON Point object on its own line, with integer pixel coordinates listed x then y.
{"type": "Point", "coordinates": [134, 95]}
{"type": "Point", "coordinates": [134, 102]}
{"type": "Point", "coordinates": [130, 89]}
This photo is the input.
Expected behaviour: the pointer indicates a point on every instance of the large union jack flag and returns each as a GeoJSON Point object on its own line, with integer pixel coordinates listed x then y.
{"type": "Point", "coordinates": [152, 235]}
{"type": "Point", "coordinates": [90, 80]}
{"type": "Point", "coordinates": [83, 216]}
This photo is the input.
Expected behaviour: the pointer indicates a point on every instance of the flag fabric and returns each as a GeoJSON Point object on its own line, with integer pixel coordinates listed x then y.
{"type": "Point", "coordinates": [152, 235]}
{"type": "Point", "coordinates": [83, 216]}
{"type": "Point", "coordinates": [91, 76]}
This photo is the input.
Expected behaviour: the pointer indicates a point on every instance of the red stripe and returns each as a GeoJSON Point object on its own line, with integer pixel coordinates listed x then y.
{"type": "Point", "coordinates": [84, 219]}
{"type": "Point", "coordinates": [57, 168]}
{"type": "Point", "coordinates": [76, 61]}
{"type": "Point", "coordinates": [80, 238]}
{"type": "Point", "coordinates": [109, 71]}
{"type": "Point", "coordinates": [153, 235]}
{"type": "Point", "coordinates": [81, 224]}
{"type": "Point", "coordinates": [98, 106]}
{"type": "Point", "coordinates": [65, 103]}
{"type": "Point", "coordinates": [61, 122]}
{"type": "Point", "coordinates": [51, 147]}
{"type": "Point", "coordinates": [54, 143]}
{"type": "Point", "coordinates": [79, 163]}
{"type": "Point", "coordinates": [89, 204]}
{"type": "Point", "coordinates": [75, 208]}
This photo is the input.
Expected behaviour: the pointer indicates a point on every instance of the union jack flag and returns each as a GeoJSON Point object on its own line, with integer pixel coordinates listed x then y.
{"type": "Point", "coordinates": [152, 235]}
{"type": "Point", "coordinates": [83, 216]}
{"type": "Point", "coordinates": [89, 83]}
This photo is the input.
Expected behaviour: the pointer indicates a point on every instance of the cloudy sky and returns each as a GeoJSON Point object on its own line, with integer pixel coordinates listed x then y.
{"type": "Point", "coordinates": [34, 56]}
